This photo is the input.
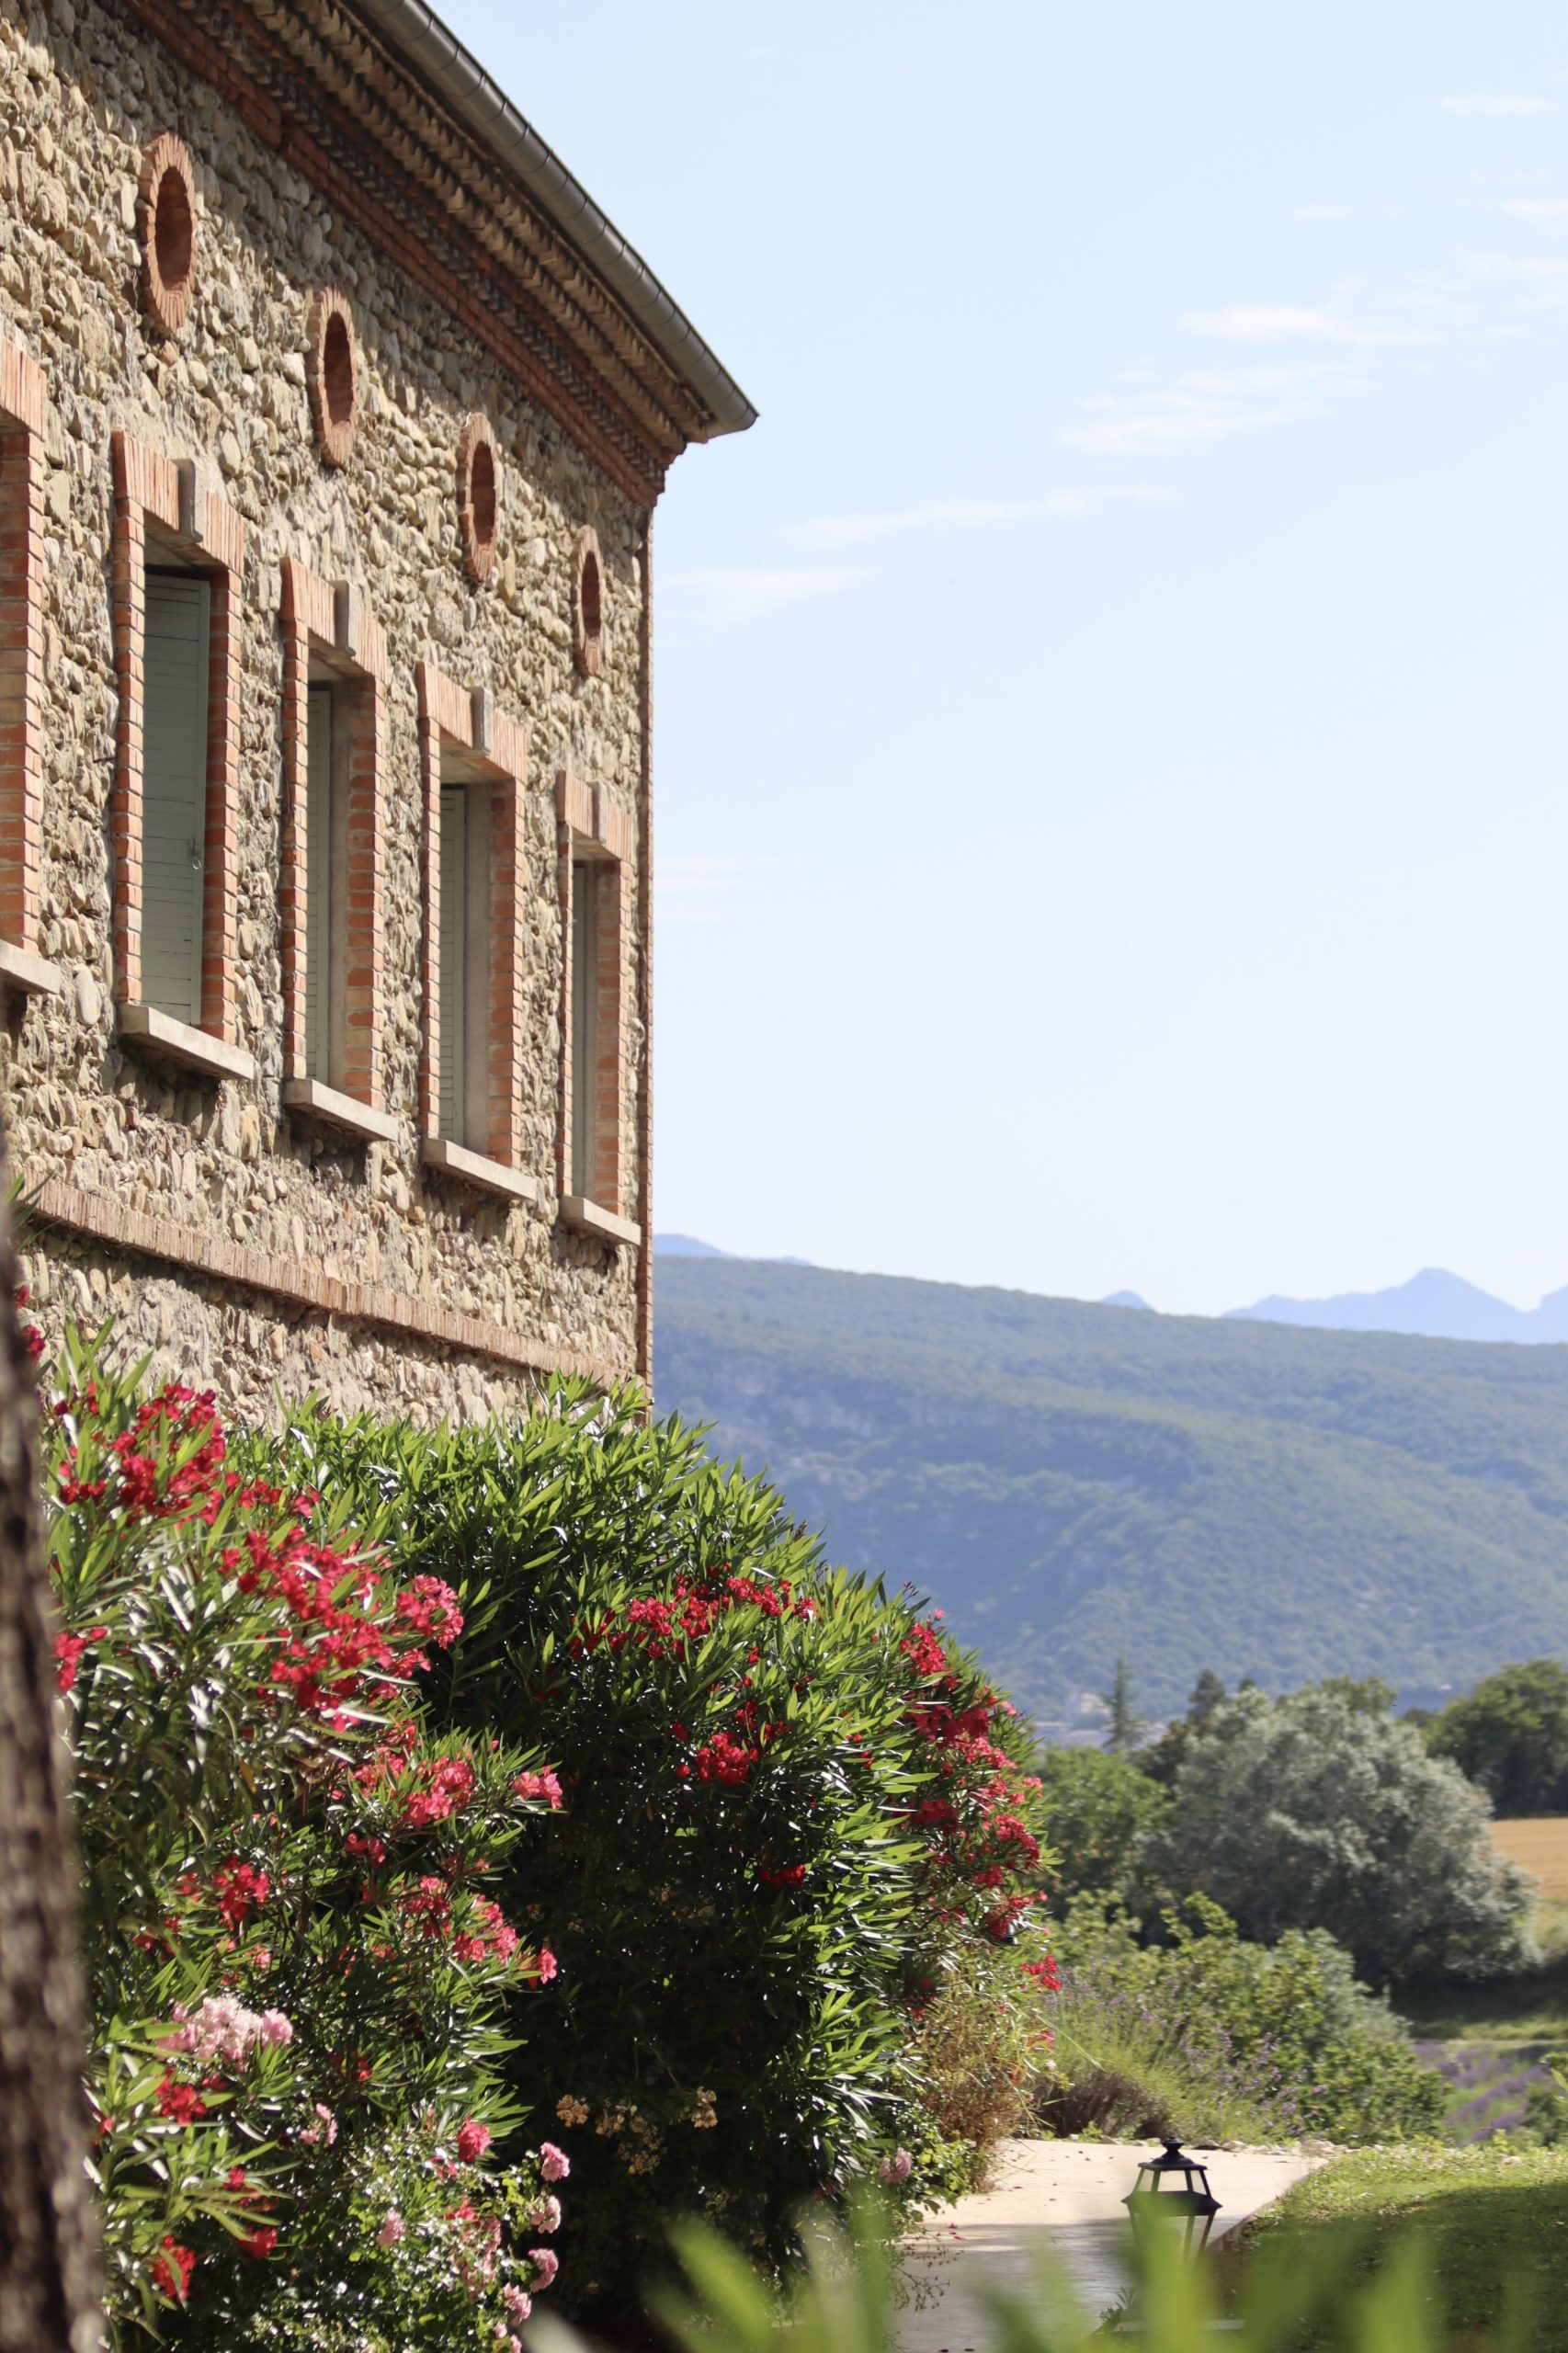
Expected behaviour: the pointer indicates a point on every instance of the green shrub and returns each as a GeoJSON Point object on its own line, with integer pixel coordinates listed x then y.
{"type": "Point", "coordinates": [1099, 1809]}
{"type": "Point", "coordinates": [790, 1809]}
{"type": "Point", "coordinates": [294, 1960]}
{"type": "Point", "coordinates": [1284, 2030]}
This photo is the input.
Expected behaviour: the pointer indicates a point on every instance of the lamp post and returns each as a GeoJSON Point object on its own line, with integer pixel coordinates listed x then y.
{"type": "Point", "coordinates": [1172, 2194]}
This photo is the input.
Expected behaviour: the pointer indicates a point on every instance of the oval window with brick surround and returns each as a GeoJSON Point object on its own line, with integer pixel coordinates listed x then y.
{"type": "Point", "coordinates": [331, 367]}
{"type": "Point", "coordinates": [588, 606]}
{"type": "Point", "coordinates": [165, 226]}
{"type": "Point", "coordinates": [479, 483]}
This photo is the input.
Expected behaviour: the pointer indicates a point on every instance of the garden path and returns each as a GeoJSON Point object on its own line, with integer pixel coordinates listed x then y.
{"type": "Point", "coordinates": [1063, 2197]}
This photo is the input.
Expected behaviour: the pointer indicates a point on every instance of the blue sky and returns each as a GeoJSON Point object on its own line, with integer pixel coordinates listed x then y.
{"type": "Point", "coordinates": [1113, 711]}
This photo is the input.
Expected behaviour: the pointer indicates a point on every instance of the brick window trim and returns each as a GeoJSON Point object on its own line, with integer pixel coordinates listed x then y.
{"type": "Point", "coordinates": [479, 496]}
{"type": "Point", "coordinates": [587, 603]}
{"type": "Point", "coordinates": [591, 826]}
{"type": "Point", "coordinates": [24, 411]}
{"type": "Point", "coordinates": [466, 720]}
{"type": "Point", "coordinates": [319, 616]}
{"type": "Point", "coordinates": [331, 374]}
{"type": "Point", "coordinates": [164, 502]}
{"type": "Point", "coordinates": [166, 231]}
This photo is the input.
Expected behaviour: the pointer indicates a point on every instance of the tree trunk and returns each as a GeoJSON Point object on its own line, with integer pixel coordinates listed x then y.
{"type": "Point", "coordinates": [49, 2253]}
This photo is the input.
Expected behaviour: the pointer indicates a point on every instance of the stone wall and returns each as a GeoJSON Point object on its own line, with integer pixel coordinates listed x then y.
{"type": "Point", "coordinates": [83, 93]}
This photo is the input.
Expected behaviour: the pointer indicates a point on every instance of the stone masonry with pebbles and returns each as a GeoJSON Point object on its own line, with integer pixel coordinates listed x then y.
{"type": "Point", "coordinates": [255, 1236]}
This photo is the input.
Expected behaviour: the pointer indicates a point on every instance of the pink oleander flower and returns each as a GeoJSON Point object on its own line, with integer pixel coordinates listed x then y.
{"type": "Point", "coordinates": [518, 2305]}
{"type": "Point", "coordinates": [275, 2028]}
{"type": "Point", "coordinates": [546, 2264]}
{"type": "Point", "coordinates": [546, 2215]}
{"type": "Point", "coordinates": [897, 2167]}
{"type": "Point", "coordinates": [472, 2141]}
{"type": "Point", "coordinates": [392, 2228]}
{"type": "Point", "coordinates": [555, 2165]}
{"type": "Point", "coordinates": [324, 2130]}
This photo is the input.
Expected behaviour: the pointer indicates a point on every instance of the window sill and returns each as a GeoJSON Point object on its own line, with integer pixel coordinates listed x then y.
{"type": "Point", "coordinates": [29, 975]}
{"type": "Point", "coordinates": [176, 1042]}
{"type": "Point", "coordinates": [308, 1099]}
{"type": "Point", "coordinates": [588, 1218]}
{"type": "Point", "coordinates": [472, 1168]}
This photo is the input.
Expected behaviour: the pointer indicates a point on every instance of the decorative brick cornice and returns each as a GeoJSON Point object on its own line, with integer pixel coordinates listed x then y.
{"type": "Point", "coordinates": [206, 1252]}
{"type": "Point", "coordinates": [315, 82]}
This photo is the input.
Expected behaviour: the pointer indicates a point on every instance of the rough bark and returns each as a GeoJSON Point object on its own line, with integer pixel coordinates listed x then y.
{"type": "Point", "coordinates": [49, 2253]}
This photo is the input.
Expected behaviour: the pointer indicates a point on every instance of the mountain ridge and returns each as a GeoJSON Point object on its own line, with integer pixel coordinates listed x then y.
{"type": "Point", "coordinates": [1068, 1479]}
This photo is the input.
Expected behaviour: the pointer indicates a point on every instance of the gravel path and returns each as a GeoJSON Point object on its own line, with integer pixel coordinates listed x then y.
{"type": "Point", "coordinates": [1066, 2195]}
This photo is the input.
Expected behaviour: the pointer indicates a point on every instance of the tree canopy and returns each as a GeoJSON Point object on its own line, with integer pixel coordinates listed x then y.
{"type": "Point", "coordinates": [1320, 1809]}
{"type": "Point", "coordinates": [1510, 1736]}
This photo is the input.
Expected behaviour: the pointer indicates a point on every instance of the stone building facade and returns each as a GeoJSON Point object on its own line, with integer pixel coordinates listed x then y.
{"type": "Point", "coordinates": [333, 415]}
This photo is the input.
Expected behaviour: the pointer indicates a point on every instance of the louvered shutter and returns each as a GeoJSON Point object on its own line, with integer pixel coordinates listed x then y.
{"type": "Point", "coordinates": [453, 964]}
{"type": "Point", "coordinates": [174, 792]}
{"type": "Point", "coordinates": [584, 1020]}
{"type": "Point", "coordinates": [318, 886]}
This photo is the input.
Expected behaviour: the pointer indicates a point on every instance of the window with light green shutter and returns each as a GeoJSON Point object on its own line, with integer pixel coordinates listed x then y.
{"type": "Point", "coordinates": [318, 885]}
{"type": "Point", "coordinates": [584, 1020]}
{"type": "Point", "coordinates": [453, 1037]}
{"type": "Point", "coordinates": [174, 790]}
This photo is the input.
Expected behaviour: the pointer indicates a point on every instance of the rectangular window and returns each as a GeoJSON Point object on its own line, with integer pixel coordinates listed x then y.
{"type": "Point", "coordinates": [321, 963]}
{"type": "Point", "coordinates": [454, 931]}
{"type": "Point", "coordinates": [465, 964]}
{"type": "Point", "coordinates": [174, 805]}
{"type": "Point", "coordinates": [585, 1022]}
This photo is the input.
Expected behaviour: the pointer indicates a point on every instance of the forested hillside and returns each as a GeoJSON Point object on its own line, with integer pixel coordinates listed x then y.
{"type": "Point", "coordinates": [1067, 1481]}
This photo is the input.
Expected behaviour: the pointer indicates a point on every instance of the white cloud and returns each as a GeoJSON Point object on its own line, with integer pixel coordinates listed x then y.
{"type": "Point", "coordinates": [727, 597]}
{"type": "Point", "coordinates": [1479, 102]}
{"type": "Point", "coordinates": [1547, 209]}
{"type": "Point", "coordinates": [1198, 409]}
{"type": "Point", "coordinates": [853, 531]}
{"type": "Point", "coordinates": [1278, 323]}
{"type": "Point", "coordinates": [1545, 281]}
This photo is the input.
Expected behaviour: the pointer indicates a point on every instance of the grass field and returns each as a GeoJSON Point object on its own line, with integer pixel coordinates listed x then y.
{"type": "Point", "coordinates": [1494, 2221]}
{"type": "Point", "coordinates": [1538, 1844]}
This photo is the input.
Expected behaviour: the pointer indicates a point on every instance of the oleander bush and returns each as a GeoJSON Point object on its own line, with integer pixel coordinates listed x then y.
{"type": "Point", "coordinates": [792, 1822]}
{"type": "Point", "coordinates": [297, 1966]}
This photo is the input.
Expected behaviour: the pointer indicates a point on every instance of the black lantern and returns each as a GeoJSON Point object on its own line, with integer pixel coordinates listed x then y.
{"type": "Point", "coordinates": [1173, 2194]}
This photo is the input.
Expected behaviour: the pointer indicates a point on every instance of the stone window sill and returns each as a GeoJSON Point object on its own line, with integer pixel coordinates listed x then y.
{"type": "Point", "coordinates": [29, 974]}
{"type": "Point", "coordinates": [450, 1159]}
{"type": "Point", "coordinates": [308, 1099]}
{"type": "Point", "coordinates": [176, 1042]}
{"type": "Point", "coordinates": [588, 1218]}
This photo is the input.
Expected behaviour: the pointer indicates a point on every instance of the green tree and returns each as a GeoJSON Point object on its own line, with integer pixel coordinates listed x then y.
{"type": "Point", "coordinates": [1320, 1810]}
{"type": "Point", "coordinates": [1125, 1728]}
{"type": "Point", "coordinates": [1162, 1759]}
{"type": "Point", "coordinates": [1510, 1736]}
{"type": "Point", "coordinates": [1098, 1811]}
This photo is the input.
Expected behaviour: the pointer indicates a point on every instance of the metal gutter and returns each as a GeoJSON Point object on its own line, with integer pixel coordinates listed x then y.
{"type": "Point", "coordinates": [487, 111]}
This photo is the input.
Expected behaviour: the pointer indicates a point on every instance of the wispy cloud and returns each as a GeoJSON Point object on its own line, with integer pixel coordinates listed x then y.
{"type": "Point", "coordinates": [1483, 103]}
{"type": "Point", "coordinates": [709, 889]}
{"type": "Point", "coordinates": [1547, 210]}
{"type": "Point", "coordinates": [1198, 409]}
{"type": "Point", "coordinates": [729, 596]}
{"type": "Point", "coordinates": [1544, 282]}
{"type": "Point", "coordinates": [1279, 323]}
{"type": "Point", "coordinates": [854, 531]}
